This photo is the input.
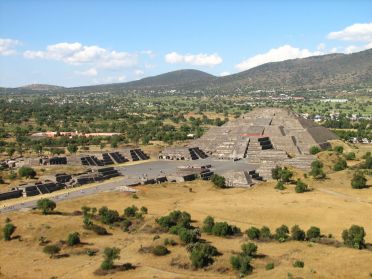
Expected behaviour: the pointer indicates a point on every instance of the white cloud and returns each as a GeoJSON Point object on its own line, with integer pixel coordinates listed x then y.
{"type": "Point", "coordinates": [92, 72]}
{"type": "Point", "coordinates": [78, 54]}
{"type": "Point", "coordinates": [110, 79]}
{"type": "Point", "coordinates": [139, 73]}
{"type": "Point", "coordinates": [321, 46]}
{"type": "Point", "coordinates": [201, 59]}
{"type": "Point", "coordinates": [7, 46]}
{"type": "Point", "coordinates": [354, 48]}
{"type": "Point", "coordinates": [274, 55]}
{"type": "Point", "coordinates": [359, 32]}
{"type": "Point", "coordinates": [224, 74]}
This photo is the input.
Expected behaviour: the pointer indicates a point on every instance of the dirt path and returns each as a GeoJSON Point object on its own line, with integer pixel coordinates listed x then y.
{"type": "Point", "coordinates": [344, 196]}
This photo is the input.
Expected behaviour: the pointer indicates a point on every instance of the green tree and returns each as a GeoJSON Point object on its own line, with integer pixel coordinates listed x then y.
{"type": "Point", "coordinates": [340, 165]}
{"type": "Point", "coordinates": [314, 150]}
{"type": "Point", "coordinates": [46, 205]}
{"type": "Point", "coordinates": [72, 148]}
{"type": "Point", "coordinates": [26, 172]}
{"type": "Point", "coordinates": [208, 224]}
{"type": "Point", "coordinates": [297, 233]}
{"type": "Point", "coordinates": [350, 156]}
{"type": "Point", "coordinates": [249, 249]}
{"type": "Point", "coordinates": [313, 233]}
{"type": "Point", "coordinates": [253, 233]}
{"type": "Point", "coordinates": [51, 250]}
{"type": "Point", "coordinates": [202, 254]}
{"type": "Point", "coordinates": [73, 239]}
{"type": "Point", "coordinates": [338, 149]}
{"type": "Point", "coordinates": [317, 170]}
{"type": "Point", "coordinates": [358, 181]}
{"type": "Point", "coordinates": [265, 233]}
{"type": "Point", "coordinates": [354, 237]}
{"type": "Point", "coordinates": [301, 187]}
{"type": "Point", "coordinates": [218, 181]}
{"type": "Point", "coordinates": [242, 264]}
{"type": "Point", "coordinates": [109, 256]}
{"type": "Point", "coordinates": [282, 233]}
{"type": "Point", "coordinates": [8, 230]}
{"type": "Point", "coordinates": [108, 216]}
{"type": "Point", "coordinates": [280, 186]}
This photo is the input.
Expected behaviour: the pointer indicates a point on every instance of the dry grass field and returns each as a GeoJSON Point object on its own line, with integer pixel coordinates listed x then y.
{"type": "Point", "coordinates": [332, 206]}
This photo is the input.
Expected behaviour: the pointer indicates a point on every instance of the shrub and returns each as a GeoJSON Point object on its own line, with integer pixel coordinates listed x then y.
{"type": "Point", "coordinates": [275, 173]}
{"type": "Point", "coordinates": [224, 229]}
{"type": "Point", "coordinates": [314, 150]}
{"type": "Point", "coordinates": [354, 237]}
{"type": "Point", "coordinates": [51, 250]}
{"type": "Point", "coordinates": [202, 254]}
{"type": "Point", "coordinates": [279, 185]}
{"type": "Point", "coordinates": [208, 224]}
{"type": "Point", "coordinates": [340, 165]}
{"type": "Point", "coordinates": [301, 187]}
{"type": "Point", "coordinates": [218, 181]}
{"type": "Point", "coordinates": [338, 149]}
{"type": "Point", "coordinates": [367, 155]}
{"type": "Point", "coordinates": [242, 264]}
{"type": "Point", "coordinates": [174, 218]}
{"type": "Point", "coordinates": [269, 266]}
{"type": "Point", "coordinates": [313, 233]}
{"type": "Point", "coordinates": [27, 172]}
{"type": "Point", "coordinates": [358, 181]}
{"type": "Point", "coordinates": [188, 236]}
{"type": "Point", "coordinates": [160, 250]}
{"type": "Point", "coordinates": [297, 233]}
{"type": "Point", "coordinates": [46, 205]}
{"type": "Point", "coordinates": [298, 264]}
{"type": "Point", "coordinates": [253, 233]}
{"type": "Point", "coordinates": [108, 216]}
{"type": "Point", "coordinates": [130, 211]}
{"type": "Point", "coordinates": [285, 174]}
{"type": "Point", "coordinates": [367, 164]}
{"type": "Point", "coordinates": [97, 229]}
{"type": "Point", "coordinates": [317, 170]}
{"type": "Point", "coordinates": [144, 210]}
{"type": "Point", "coordinates": [350, 156]}
{"type": "Point", "coordinates": [169, 241]}
{"type": "Point", "coordinates": [73, 239]}
{"type": "Point", "coordinates": [125, 224]}
{"type": "Point", "coordinates": [109, 255]}
{"type": "Point", "coordinates": [91, 252]}
{"type": "Point", "coordinates": [282, 233]}
{"type": "Point", "coordinates": [8, 230]}
{"type": "Point", "coordinates": [265, 232]}
{"type": "Point", "coordinates": [249, 249]}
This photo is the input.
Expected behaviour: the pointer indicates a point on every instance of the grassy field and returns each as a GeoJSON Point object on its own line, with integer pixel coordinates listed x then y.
{"type": "Point", "coordinates": [332, 206]}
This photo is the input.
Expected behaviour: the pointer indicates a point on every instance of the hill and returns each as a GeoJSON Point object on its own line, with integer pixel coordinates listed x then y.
{"type": "Point", "coordinates": [42, 87]}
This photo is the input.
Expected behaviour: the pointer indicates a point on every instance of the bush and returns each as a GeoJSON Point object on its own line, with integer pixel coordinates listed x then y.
{"type": "Point", "coordinates": [218, 181]}
{"type": "Point", "coordinates": [125, 224]}
{"type": "Point", "coordinates": [130, 211]}
{"type": "Point", "coordinates": [253, 233]}
{"type": "Point", "coordinates": [297, 233]}
{"type": "Point", "coordinates": [354, 237]}
{"type": "Point", "coordinates": [110, 254]}
{"type": "Point", "coordinates": [174, 218]}
{"type": "Point", "coordinates": [282, 233]}
{"type": "Point", "coordinates": [169, 241]}
{"type": "Point", "coordinates": [188, 236]}
{"type": "Point", "coordinates": [338, 149]}
{"type": "Point", "coordinates": [313, 233]}
{"type": "Point", "coordinates": [8, 230]}
{"type": "Point", "coordinates": [108, 216]}
{"type": "Point", "coordinates": [265, 232]}
{"type": "Point", "coordinates": [249, 249]}
{"type": "Point", "coordinates": [202, 254]}
{"type": "Point", "coordinates": [51, 250]}
{"type": "Point", "coordinates": [242, 264]}
{"type": "Point", "coordinates": [27, 172]}
{"type": "Point", "coordinates": [299, 264]}
{"type": "Point", "coordinates": [73, 239]}
{"type": "Point", "coordinates": [367, 164]}
{"type": "Point", "coordinates": [358, 181]}
{"type": "Point", "coordinates": [160, 250]}
{"type": "Point", "coordinates": [46, 205]}
{"type": "Point", "coordinates": [340, 165]}
{"type": "Point", "coordinates": [317, 170]}
{"type": "Point", "coordinates": [350, 156]}
{"type": "Point", "coordinates": [224, 229]}
{"type": "Point", "coordinates": [269, 266]}
{"type": "Point", "coordinates": [208, 224]}
{"type": "Point", "coordinates": [97, 229]}
{"type": "Point", "coordinates": [314, 150]}
{"type": "Point", "coordinates": [279, 185]}
{"type": "Point", "coordinates": [275, 173]}
{"type": "Point", "coordinates": [144, 210]}
{"type": "Point", "coordinates": [301, 187]}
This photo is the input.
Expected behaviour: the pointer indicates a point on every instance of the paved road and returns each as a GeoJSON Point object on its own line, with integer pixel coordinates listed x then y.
{"type": "Point", "coordinates": [134, 173]}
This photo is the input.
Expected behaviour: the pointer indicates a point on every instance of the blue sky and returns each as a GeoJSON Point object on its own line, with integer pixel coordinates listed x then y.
{"type": "Point", "coordinates": [81, 42]}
